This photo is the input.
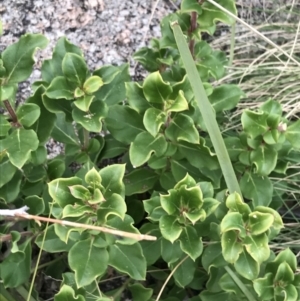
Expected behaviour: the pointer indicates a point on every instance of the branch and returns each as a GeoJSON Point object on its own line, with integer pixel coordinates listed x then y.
{"type": "Point", "coordinates": [21, 212]}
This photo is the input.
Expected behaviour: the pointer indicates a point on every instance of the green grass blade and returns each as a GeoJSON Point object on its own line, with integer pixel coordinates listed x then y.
{"type": "Point", "coordinates": [240, 284]}
{"type": "Point", "coordinates": [206, 110]}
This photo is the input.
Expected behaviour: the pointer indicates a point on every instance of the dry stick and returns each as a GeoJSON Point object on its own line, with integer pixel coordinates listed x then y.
{"type": "Point", "coordinates": [254, 30]}
{"type": "Point", "coordinates": [22, 213]}
{"type": "Point", "coordinates": [11, 112]}
{"type": "Point", "coordinates": [169, 277]}
{"type": "Point", "coordinates": [84, 226]}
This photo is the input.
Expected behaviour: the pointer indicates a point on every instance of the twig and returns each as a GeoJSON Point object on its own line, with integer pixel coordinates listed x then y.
{"type": "Point", "coordinates": [21, 212]}
{"type": "Point", "coordinates": [11, 112]}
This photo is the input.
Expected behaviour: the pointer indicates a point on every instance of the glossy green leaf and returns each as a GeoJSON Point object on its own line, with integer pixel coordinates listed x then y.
{"type": "Point", "coordinates": [264, 287]}
{"type": "Point", "coordinates": [190, 242]}
{"type": "Point", "coordinates": [78, 92]}
{"type": "Point", "coordinates": [112, 180]}
{"type": "Point", "coordinates": [92, 84]}
{"type": "Point", "coordinates": [113, 205]}
{"type": "Point", "coordinates": [45, 123]}
{"type": "Point", "coordinates": [52, 243]}
{"type": "Point", "coordinates": [265, 159]}
{"type": "Point", "coordinates": [4, 126]}
{"type": "Point", "coordinates": [7, 171]}
{"type": "Point", "coordinates": [75, 68]}
{"type": "Point", "coordinates": [139, 181]}
{"type": "Point", "coordinates": [260, 222]}
{"type": "Point", "coordinates": [277, 222]}
{"type": "Point", "coordinates": [195, 215]}
{"type": "Point", "coordinates": [35, 203]}
{"type": "Point", "coordinates": [284, 273]}
{"type": "Point", "coordinates": [91, 120]}
{"type": "Point", "coordinates": [246, 266]}
{"type": "Point", "coordinates": [93, 178]}
{"type": "Point", "coordinates": [153, 120]}
{"type": "Point", "coordinates": [87, 261]}
{"type": "Point", "coordinates": [257, 247]}
{"type": "Point", "coordinates": [139, 292]}
{"type": "Point", "coordinates": [184, 274]}
{"type": "Point", "coordinates": [148, 58]}
{"type": "Point", "coordinates": [199, 155]}
{"type": "Point", "coordinates": [67, 293]}
{"type": "Point", "coordinates": [168, 39]}
{"type": "Point", "coordinates": [167, 180]}
{"type": "Point", "coordinates": [225, 97]}
{"type": "Point", "coordinates": [233, 221]}
{"type": "Point", "coordinates": [155, 89]}
{"type": "Point", "coordinates": [285, 256]}
{"type": "Point", "coordinates": [18, 57]}
{"type": "Point", "coordinates": [182, 201]}
{"type": "Point", "coordinates": [213, 256]}
{"type": "Point", "coordinates": [254, 123]}
{"type": "Point", "coordinates": [28, 114]}
{"type": "Point", "coordinates": [19, 146]}
{"type": "Point", "coordinates": [60, 87]}
{"type": "Point", "coordinates": [151, 249]}
{"type": "Point", "coordinates": [234, 147]}
{"type": "Point", "coordinates": [170, 228]}
{"type": "Point", "coordinates": [7, 91]}
{"type": "Point", "coordinates": [56, 168]}
{"type": "Point", "coordinates": [256, 188]}
{"type": "Point", "coordinates": [58, 106]}
{"type": "Point", "coordinates": [60, 192]}
{"type": "Point", "coordinates": [272, 107]}
{"type": "Point", "coordinates": [187, 182]}
{"type": "Point", "coordinates": [182, 128]}
{"type": "Point", "coordinates": [235, 203]}
{"type": "Point", "coordinates": [188, 6]}
{"type": "Point", "coordinates": [211, 14]}
{"type": "Point", "coordinates": [231, 246]}
{"type": "Point", "coordinates": [170, 252]}
{"type": "Point", "coordinates": [292, 134]}
{"type": "Point", "coordinates": [240, 287]}
{"type": "Point", "coordinates": [210, 205]}
{"type": "Point", "coordinates": [144, 145]}
{"type": "Point", "coordinates": [157, 162]}
{"type": "Point", "coordinates": [64, 132]}
{"type": "Point", "coordinates": [80, 192]}
{"type": "Point", "coordinates": [128, 259]}
{"type": "Point", "coordinates": [182, 167]}
{"type": "Point", "coordinates": [179, 104]}
{"type": "Point", "coordinates": [114, 79]}
{"type": "Point", "coordinates": [135, 97]}
{"type": "Point", "coordinates": [15, 268]}
{"type": "Point", "coordinates": [124, 223]}
{"type": "Point", "coordinates": [124, 123]}
{"type": "Point", "coordinates": [53, 67]}
{"type": "Point", "coordinates": [10, 191]}
{"type": "Point", "coordinates": [112, 148]}
{"type": "Point", "coordinates": [83, 103]}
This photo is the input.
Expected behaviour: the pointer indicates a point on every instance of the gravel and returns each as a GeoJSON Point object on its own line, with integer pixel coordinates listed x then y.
{"type": "Point", "coordinates": [108, 31]}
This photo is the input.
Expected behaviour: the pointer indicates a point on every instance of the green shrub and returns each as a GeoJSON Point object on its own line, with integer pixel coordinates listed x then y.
{"type": "Point", "coordinates": [197, 212]}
